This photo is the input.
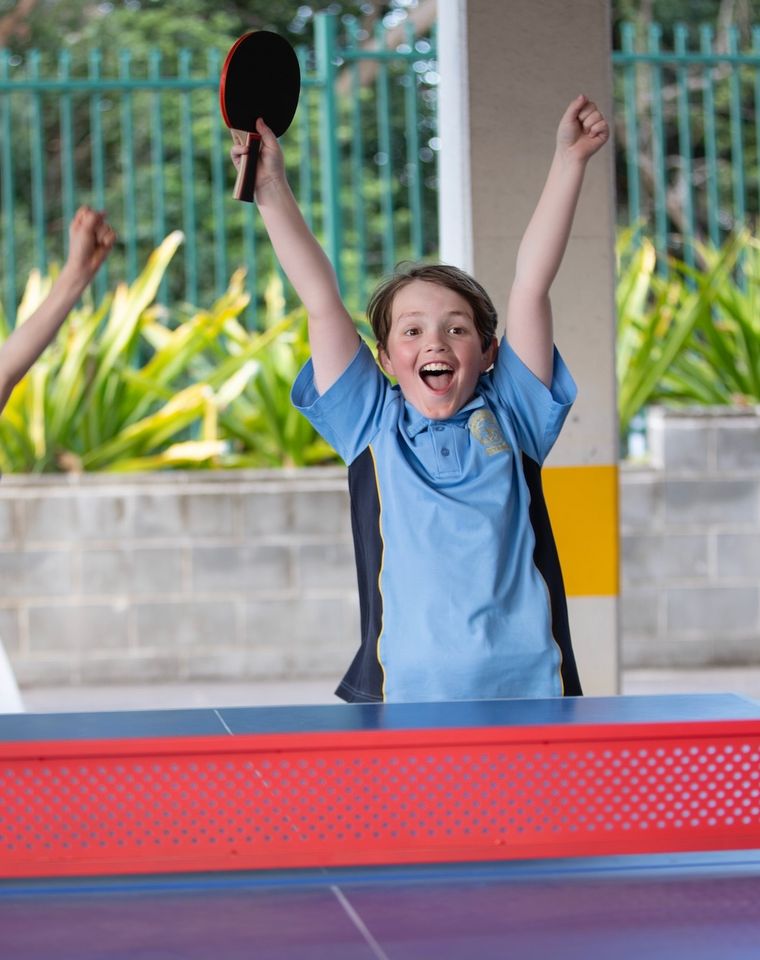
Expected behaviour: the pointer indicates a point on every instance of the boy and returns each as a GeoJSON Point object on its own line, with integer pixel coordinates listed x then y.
{"type": "Point", "coordinates": [460, 590]}
{"type": "Point", "coordinates": [90, 241]}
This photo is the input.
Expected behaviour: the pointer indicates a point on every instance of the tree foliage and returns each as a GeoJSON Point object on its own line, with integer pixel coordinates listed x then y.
{"type": "Point", "coordinates": [194, 24]}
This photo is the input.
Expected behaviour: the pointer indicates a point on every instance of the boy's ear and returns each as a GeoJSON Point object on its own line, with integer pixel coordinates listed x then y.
{"type": "Point", "coordinates": [385, 361]}
{"type": "Point", "coordinates": [489, 354]}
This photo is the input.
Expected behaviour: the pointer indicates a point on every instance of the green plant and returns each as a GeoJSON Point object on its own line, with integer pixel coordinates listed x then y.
{"type": "Point", "coordinates": [123, 389]}
{"type": "Point", "coordinates": [260, 423]}
{"type": "Point", "coordinates": [264, 422]}
{"type": "Point", "coordinates": [720, 364]}
{"type": "Point", "coordinates": [74, 400]}
{"type": "Point", "coordinates": [663, 322]}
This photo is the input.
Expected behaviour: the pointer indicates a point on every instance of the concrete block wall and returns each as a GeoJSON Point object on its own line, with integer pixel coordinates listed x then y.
{"type": "Point", "coordinates": [177, 576]}
{"type": "Point", "coordinates": [690, 542]}
{"type": "Point", "coordinates": [249, 575]}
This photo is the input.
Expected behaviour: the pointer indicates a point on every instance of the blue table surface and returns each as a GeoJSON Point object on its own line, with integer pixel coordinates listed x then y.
{"type": "Point", "coordinates": [357, 717]}
{"type": "Point", "coordinates": [700, 906]}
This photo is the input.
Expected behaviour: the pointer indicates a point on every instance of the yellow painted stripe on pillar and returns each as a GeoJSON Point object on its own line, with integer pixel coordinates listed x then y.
{"type": "Point", "coordinates": [583, 506]}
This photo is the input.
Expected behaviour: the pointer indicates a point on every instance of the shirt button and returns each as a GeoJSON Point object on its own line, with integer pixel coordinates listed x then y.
{"type": "Point", "coordinates": [445, 452]}
{"type": "Point", "coordinates": [439, 429]}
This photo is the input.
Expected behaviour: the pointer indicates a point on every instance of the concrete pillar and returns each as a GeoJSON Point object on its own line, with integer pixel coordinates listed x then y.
{"type": "Point", "coordinates": [508, 70]}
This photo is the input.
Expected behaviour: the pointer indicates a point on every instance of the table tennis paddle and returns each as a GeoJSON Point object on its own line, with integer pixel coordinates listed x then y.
{"type": "Point", "coordinates": [261, 77]}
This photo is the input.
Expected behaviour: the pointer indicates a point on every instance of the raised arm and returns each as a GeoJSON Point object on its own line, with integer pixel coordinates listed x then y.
{"type": "Point", "coordinates": [90, 241]}
{"type": "Point", "coordinates": [332, 334]}
{"type": "Point", "coordinates": [582, 132]}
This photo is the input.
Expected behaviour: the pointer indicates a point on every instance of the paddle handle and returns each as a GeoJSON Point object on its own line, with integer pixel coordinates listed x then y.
{"type": "Point", "coordinates": [246, 177]}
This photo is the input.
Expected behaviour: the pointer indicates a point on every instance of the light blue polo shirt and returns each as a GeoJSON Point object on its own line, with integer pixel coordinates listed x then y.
{"type": "Point", "coordinates": [464, 612]}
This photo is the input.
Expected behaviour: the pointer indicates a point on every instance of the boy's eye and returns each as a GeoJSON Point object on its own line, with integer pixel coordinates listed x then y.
{"type": "Point", "coordinates": [411, 331]}
{"type": "Point", "coordinates": [457, 330]}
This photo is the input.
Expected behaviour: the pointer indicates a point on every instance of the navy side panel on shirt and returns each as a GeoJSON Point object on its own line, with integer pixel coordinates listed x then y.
{"type": "Point", "coordinates": [546, 558]}
{"type": "Point", "coordinates": [363, 682]}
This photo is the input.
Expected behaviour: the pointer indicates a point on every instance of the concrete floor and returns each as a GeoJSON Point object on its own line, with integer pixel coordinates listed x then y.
{"type": "Point", "coordinates": [741, 680]}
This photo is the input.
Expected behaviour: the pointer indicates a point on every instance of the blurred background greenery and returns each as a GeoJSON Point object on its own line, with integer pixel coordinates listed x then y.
{"type": "Point", "coordinates": [183, 355]}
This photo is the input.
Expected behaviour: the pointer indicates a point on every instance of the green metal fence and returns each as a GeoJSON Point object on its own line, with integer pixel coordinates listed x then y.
{"type": "Point", "coordinates": [145, 141]}
{"type": "Point", "coordinates": [688, 128]}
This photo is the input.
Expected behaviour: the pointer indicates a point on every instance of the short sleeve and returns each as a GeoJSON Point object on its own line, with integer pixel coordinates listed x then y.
{"type": "Point", "coordinates": [537, 411]}
{"type": "Point", "coordinates": [349, 413]}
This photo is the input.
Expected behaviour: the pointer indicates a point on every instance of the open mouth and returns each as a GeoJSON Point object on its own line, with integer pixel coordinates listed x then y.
{"type": "Point", "coordinates": [437, 376]}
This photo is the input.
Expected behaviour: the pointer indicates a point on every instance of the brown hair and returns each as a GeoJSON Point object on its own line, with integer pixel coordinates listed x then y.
{"type": "Point", "coordinates": [381, 302]}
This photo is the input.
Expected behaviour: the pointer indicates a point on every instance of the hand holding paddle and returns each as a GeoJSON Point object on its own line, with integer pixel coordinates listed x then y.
{"type": "Point", "coordinates": [261, 78]}
{"type": "Point", "coordinates": [270, 163]}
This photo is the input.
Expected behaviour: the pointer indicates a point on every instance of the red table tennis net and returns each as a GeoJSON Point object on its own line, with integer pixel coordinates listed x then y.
{"type": "Point", "coordinates": [325, 799]}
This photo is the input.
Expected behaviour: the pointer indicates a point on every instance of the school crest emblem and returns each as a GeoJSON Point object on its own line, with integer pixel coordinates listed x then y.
{"type": "Point", "coordinates": [485, 428]}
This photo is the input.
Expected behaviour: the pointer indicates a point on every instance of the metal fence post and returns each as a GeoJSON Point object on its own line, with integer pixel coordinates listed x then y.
{"type": "Point", "coordinates": [9, 234]}
{"type": "Point", "coordinates": [37, 133]}
{"type": "Point", "coordinates": [97, 159]}
{"type": "Point", "coordinates": [67, 144]}
{"type": "Point", "coordinates": [711, 143]}
{"type": "Point", "coordinates": [685, 145]}
{"type": "Point", "coordinates": [188, 181]}
{"type": "Point", "coordinates": [659, 172]}
{"type": "Point", "coordinates": [630, 102]}
{"type": "Point", "coordinates": [737, 140]}
{"type": "Point", "coordinates": [325, 44]}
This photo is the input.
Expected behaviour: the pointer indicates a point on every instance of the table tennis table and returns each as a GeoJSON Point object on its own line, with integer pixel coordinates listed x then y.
{"type": "Point", "coordinates": [626, 826]}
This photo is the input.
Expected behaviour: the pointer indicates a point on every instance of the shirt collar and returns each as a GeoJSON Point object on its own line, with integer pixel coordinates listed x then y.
{"type": "Point", "coordinates": [415, 423]}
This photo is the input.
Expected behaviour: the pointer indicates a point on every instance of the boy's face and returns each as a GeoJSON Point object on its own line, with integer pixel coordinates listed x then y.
{"type": "Point", "coordinates": [434, 349]}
